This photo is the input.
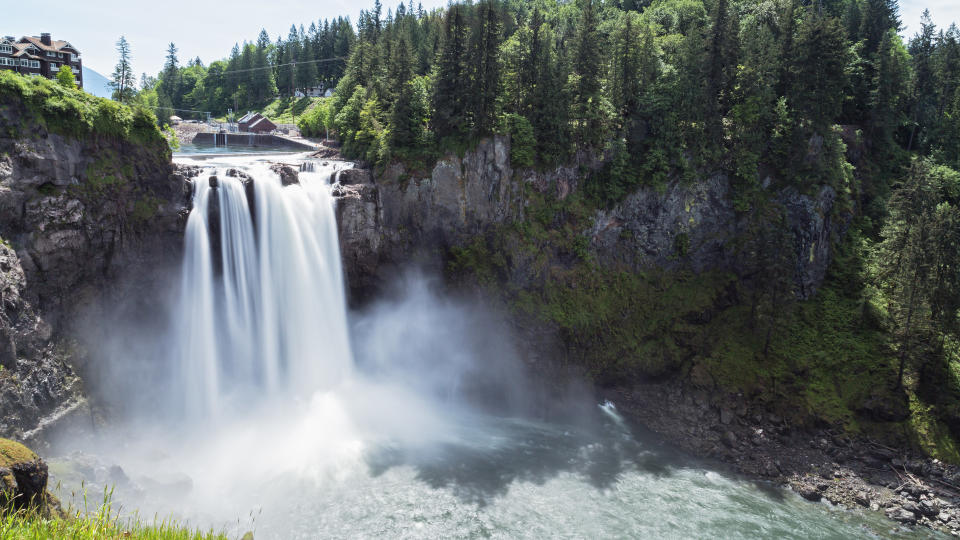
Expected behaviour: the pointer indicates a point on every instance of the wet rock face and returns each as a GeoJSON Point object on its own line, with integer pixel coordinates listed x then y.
{"type": "Point", "coordinates": [78, 212]}
{"type": "Point", "coordinates": [814, 234]}
{"type": "Point", "coordinates": [36, 378]}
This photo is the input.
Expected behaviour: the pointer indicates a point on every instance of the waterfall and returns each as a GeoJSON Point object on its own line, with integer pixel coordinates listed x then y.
{"type": "Point", "coordinates": [262, 312]}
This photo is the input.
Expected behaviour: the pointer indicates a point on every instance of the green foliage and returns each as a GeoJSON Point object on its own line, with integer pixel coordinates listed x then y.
{"type": "Point", "coordinates": [917, 260]}
{"type": "Point", "coordinates": [171, 136]}
{"type": "Point", "coordinates": [75, 113]}
{"type": "Point", "coordinates": [286, 110]}
{"type": "Point", "coordinates": [65, 77]}
{"type": "Point", "coordinates": [317, 120]}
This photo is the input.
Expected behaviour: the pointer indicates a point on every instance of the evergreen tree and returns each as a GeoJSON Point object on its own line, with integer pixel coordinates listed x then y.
{"type": "Point", "coordinates": [484, 58]}
{"type": "Point", "coordinates": [306, 65]}
{"type": "Point", "coordinates": [452, 79]}
{"type": "Point", "coordinates": [406, 115]}
{"type": "Point", "coordinates": [818, 70]}
{"type": "Point", "coordinates": [123, 79]}
{"type": "Point", "coordinates": [170, 77]}
{"type": "Point", "coordinates": [721, 62]}
{"type": "Point", "coordinates": [918, 258]}
{"type": "Point", "coordinates": [923, 101]}
{"type": "Point", "coordinates": [888, 95]}
{"type": "Point", "coordinates": [587, 99]}
{"type": "Point", "coordinates": [263, 84]}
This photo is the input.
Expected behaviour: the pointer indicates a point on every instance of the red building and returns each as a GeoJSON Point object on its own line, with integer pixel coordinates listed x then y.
{"type": "Point", "coordinates": [40, 56]}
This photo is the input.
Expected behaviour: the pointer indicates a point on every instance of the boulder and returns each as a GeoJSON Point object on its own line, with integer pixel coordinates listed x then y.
{"type": "Point", "coordinates": [900, 515]}
{"type": "Point", "coordinates": [911, 507]}
{"type": "Point", "coordinates": [350, 177]}
{"type": "Point", "coordinates": [23, 479]}
{"type": "Point", "coordinates": [929, 507]}
{"type": "Point", "coordinates": [808, 492]}
{"type": "Point", "coordinates": [288, 175]}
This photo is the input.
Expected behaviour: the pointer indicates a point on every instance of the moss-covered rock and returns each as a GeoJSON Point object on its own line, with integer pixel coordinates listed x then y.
{"type": "Point", "coordinates": [23, 480]}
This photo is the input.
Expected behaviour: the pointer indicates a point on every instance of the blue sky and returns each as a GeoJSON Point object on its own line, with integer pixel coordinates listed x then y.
{"type": "Point", "coordinates": [199, 28]}
{"type": "Point", "coordinates": [209, 29]}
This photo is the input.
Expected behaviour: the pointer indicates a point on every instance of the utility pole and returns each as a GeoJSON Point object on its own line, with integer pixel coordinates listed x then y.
{"type": "Point", "coordinates": [293, 74]}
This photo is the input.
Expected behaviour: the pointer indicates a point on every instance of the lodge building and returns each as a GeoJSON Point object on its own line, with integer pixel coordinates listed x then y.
{"type": "Point", "coordinates": [40, 56]}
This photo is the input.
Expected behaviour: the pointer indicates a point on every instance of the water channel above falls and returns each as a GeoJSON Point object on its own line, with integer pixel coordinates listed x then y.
{"type": "Point", "coordinates": [296, 419]}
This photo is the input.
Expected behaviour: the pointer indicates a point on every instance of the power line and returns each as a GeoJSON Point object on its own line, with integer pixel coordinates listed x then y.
{"type": "Point", "coordinates": [178, 110]}
{"type": "Point", "coordinates": [284, 65]}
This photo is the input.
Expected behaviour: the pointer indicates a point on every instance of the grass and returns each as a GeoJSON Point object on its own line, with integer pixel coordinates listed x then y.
{"type": "Point", "coordinates": [103, 524]}
{"type": "Point", "coordinates": [43, 520]}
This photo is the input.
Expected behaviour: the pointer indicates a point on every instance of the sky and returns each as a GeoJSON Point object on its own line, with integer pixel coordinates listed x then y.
{"type": "Point", "coordinates": [943, 12]}
{"type": "Point", "coordinates": [198, 28]}
{"type": "Point", "coordinates": [209, 29]}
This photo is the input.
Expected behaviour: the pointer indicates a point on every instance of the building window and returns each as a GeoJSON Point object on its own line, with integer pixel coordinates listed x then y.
{"type": "Point", "coordinates": [6, 49]}
{"type": "Point", "coordinates": [51, 54]}
{"type": "Point", "coordinates": [54, 66]}
{"type": "Point", "coordinates": [74, 58]}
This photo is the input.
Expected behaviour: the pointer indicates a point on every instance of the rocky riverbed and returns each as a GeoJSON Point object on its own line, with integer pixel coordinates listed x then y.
{"type": "Point", "coordinates": [819, 464]}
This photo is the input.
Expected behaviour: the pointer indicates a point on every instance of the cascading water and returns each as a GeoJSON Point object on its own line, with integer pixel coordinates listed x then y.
{"type": "Point", "coordinates": [262, 309]}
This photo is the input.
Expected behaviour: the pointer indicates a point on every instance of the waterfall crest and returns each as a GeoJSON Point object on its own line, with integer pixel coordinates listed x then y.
{"type": "Point", "coordinates": [262, 312]}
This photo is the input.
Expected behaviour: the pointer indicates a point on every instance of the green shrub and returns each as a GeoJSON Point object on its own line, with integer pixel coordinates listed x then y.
{"type": "Point", "coordinates": [73, 112]}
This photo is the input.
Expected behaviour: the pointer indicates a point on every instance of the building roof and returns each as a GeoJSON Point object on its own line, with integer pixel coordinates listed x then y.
{"type": "Point", "coordinates": [261, 120]}
{"type": "Point", "coordinates": [23, 50]}
{"type": "Point", "coordinates": [55, 46]}
{"type": "Point", "coordinates": [247, 117]}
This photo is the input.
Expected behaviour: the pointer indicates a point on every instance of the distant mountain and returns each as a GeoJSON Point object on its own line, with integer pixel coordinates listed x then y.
{"type": "Point", "coordinates": [96, 84]}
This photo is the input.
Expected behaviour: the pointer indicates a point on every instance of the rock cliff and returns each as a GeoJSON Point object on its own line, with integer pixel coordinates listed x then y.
{"type": "Point", "coordinates": [399, 217]}
{"type": "Point", "coordinates": [83, 223]}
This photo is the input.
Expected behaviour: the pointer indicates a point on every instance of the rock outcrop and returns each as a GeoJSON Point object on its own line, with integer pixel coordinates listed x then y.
{"type": "Point", "coordinates": [685, 225]}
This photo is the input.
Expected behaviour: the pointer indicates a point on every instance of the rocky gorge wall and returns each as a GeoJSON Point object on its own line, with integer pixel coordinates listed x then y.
{"type": "Point", "coordinates": [84, 223]}
{"type": "Point", "coordinates": [98, 222]}
{"type": "Point", "coordinates": [398, 217]}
